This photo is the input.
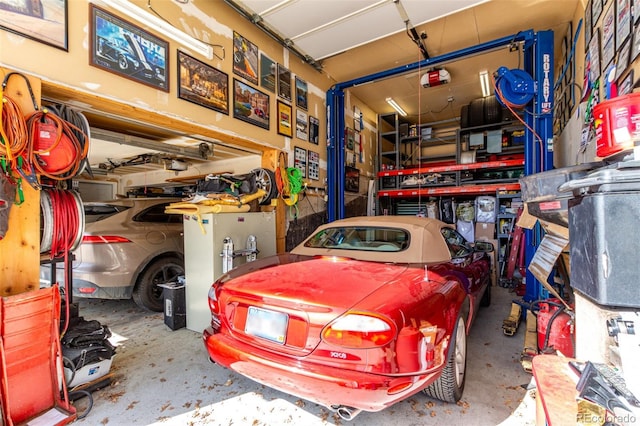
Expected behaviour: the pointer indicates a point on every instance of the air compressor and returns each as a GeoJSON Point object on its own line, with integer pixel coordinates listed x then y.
{"type": "Point", "coordinates": [555, 326]}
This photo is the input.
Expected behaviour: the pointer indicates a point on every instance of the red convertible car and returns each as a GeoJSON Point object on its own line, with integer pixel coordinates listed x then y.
{"type": "Point", "coordinates": [364, 313]}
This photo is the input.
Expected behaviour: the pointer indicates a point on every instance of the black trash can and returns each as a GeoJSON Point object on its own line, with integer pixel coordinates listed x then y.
{"type": "Point", "coordinates": [175, 309]}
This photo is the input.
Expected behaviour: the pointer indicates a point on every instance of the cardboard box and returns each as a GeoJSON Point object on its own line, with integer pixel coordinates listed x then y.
{"type": "Point", "coordinates": [485, 230]}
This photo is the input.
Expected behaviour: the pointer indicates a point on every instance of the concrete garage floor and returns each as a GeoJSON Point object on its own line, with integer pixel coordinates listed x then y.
{"type": "Point", "coordinates": [163, 377]}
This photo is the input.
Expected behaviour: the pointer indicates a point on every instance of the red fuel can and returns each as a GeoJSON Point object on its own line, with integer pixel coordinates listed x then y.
{"type": "Point", "coordinates": [559, 326]}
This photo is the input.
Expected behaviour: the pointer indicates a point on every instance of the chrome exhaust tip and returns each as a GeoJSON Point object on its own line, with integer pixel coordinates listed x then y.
{"type": "Point", "coordinates": [346, 413]}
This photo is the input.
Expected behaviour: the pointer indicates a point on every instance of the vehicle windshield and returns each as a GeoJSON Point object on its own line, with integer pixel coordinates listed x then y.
{"type": "Point", "coordinates": [360, 238]}
{"type": "Point", "coordinates": [98, 212]}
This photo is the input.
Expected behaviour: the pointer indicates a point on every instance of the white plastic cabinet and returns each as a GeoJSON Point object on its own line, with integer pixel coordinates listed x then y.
{"type": "Point", "coordinates": [203, 245]}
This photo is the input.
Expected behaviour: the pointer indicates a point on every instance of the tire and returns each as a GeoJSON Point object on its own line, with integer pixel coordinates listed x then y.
{"type": "Point", "coordinates": [492, 110]}
{"type": "Point", "coordinates": [464, 116]}
{"type": "Point", "coordinates": [486, 297]}
{"type": "Point", "coordinates": [449, 386]}
{"type": "Point", "coordinates": [266, 180]}
{"type": "Point", "coordinates": [146, 293]}
{"type": "Point", "coordinates": [476, 112]}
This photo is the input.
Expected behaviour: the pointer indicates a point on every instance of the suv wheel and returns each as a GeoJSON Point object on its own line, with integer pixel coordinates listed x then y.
{"type": "Point", "coordinates": [147, 294]}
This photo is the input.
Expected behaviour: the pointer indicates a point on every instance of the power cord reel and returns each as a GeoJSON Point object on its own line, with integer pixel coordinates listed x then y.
{"type": "Point", "coordinates": [514, 88]}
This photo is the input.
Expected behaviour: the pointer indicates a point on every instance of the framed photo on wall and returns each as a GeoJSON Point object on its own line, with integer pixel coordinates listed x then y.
{"type": "Point", "coordinates": [284, 83]}
{"type": "Point", "coordinates": [635, 49]}
{"type": "Point", "coordinates": [587, 24]}
{"type": "Point", "coordinates": [268, 70]}
{"type": "Point", "coordinates": [301, 125]}
{"type": "Point", "coordinates": [623, 22]}
{"type": "Point", "coordinates": [44, 21]}
{"type": "Point", "coordinates": [314, 130]}
{"type": "Point", "coordinates": [300, 160]}
{"type": "Point", "coordinates": [595, 67]}
{"type": "Point", "coordinates": [202, 84]}
{"type": "Point", "coordinates": [245, 58]}
{"type": "Point", "coordinates": [301, 93]}
{"type": "Point", "coordinates": [128, 51]}
{"type": "Point", "coordinates": [626, 84]}
{"type": "Point", "coordinates": [313, 165]}
{"type": "Point", "coordinates": [351, 179]}
{"type": "Point", "coordinates": [284, 119]}
{"type": "Point", "coordinates": [596, 11]}
{"type": "Point", "coordinates": [608, 35]}
{"type": "Point", "coordinates": [250, 104]}
{"type": "Point", "coordinates": [623, 58]}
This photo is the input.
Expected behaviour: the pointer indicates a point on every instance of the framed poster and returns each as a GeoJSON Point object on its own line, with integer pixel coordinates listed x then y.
{"type": "Point", "coordinates": [284, 83]}
{"type": "Point", "coordinates": [635, 49]}
{"type": "Point", "coordinates": [245, 58]}
{"type": "Point", "coordinates": [250, 104]}
{"type": "Point", "coordinates": [608, 35]}
{"type": "Point", "coordinates": [202, 84]}
{"type": "Point", "coordinates": [268, 71]}
{"type": "Point", "coordinates": [623, 22]}
{"type": "Point", "coordinates": [301, 93]}
{"type": "Point", "coordinates": [622, 62]}
{"type": "Point", "coordinates": [314, 130]}
{"type": "Point", "coordinates": [313, 163]}
{"type": "Point", "coordinates": [626, 85]}
{"type": "Point", "coordinates": [126, 50]}
{"type": "Point", "coordinates": [284, 119]}
{"type": "Point", "coordinates": [595, 66]}
{"type": "Point", "coordinates": [44, 21]}
{"type": "Point", "coordinates": [351, 179]}
{"type": "Point", "coordinates": [596, 11]}
{"type": "Point", "coordinates": [301, 125]}
{"type": "Point", "coordinates": [350, 141]}
{"type": "Point", "coordinates": [300, 160]}
{"type": "Point", "coordinates": [357, 119]}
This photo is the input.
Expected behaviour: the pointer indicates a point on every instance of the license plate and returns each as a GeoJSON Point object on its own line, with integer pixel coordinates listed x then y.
{"type": "Point", "coordinates": [269, 325]}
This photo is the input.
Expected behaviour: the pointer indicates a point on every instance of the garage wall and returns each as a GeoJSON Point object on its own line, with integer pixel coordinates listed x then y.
{"type": "Point", "coordinates": [212, 21]}
{"type": "Point", "coordinates": [568, 149]}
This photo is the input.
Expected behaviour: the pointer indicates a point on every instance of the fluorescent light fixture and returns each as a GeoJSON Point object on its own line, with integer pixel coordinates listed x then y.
{"type": "Point", "coordinates": [395, 106]}
{"type": "Point", "coordinates": [484, 83]}
{"type": "Point", "coordinates": [161, 26]}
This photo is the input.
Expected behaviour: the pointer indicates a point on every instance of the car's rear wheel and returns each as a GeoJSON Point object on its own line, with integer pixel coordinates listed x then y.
{"type": "Point", "coordinates": [450, 384]}
{"type": "Point", "coordinates": [146, 293]}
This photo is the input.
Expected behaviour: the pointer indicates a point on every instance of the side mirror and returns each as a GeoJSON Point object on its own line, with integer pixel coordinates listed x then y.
{"type": "Point", "coordinates": [483, 246]}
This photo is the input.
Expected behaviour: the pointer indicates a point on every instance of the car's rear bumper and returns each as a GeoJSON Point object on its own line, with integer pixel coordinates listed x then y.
{"type": "Point", "coordinates": [325, 385]}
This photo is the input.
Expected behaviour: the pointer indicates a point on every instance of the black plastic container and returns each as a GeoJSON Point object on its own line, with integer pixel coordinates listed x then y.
{"type": "Point", "coordinates": [540, 192]}
{"type": "Point", "coordinates": [605, 247]}
{"type": "Point", "coordinates": [175, 309]}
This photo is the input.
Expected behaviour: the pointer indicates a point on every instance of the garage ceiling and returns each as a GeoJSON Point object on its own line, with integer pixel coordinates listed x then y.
{"type": "Point", "coordinates": [325, 28]}
{"type": "Point", "coordinates": [356, 38]}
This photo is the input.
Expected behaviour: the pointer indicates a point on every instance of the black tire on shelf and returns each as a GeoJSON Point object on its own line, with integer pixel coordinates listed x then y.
{"type": "Point", "coordinates": [147, 294]}
{"type": "Point", "coordinates": [266, 180]}
{"type": "Point", "coordinates": [464, 116]}
{"type": "Point", "coordinates": [476, 112]}
{"type": "Point", "coordinates": [492, 110]}
{"type": "Point", "coordinates": [449, 386]}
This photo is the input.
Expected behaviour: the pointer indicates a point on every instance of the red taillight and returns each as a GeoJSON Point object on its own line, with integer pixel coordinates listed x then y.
{"type": "Point", "coordinates": [87, 290]}
{"type": "Point", "coordinates": [360, 330]}
{"type": "Point", "coordinates": [104, 239]}
{"type": "Point", "coordinates": [213, 300]}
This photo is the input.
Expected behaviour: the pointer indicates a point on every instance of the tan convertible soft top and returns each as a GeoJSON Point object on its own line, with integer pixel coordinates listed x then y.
{"type": "Point", "coordinates": [426, 243]}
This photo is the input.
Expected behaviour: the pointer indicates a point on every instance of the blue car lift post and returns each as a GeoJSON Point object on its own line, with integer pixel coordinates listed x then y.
{"type": "Point", "coordinates": [538, 62]}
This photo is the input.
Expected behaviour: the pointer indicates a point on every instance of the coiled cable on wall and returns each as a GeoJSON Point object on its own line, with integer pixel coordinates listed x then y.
{"type": "Point", "coordinates": [82, 130]}
{"type": "Point", "coordinates": [13, 130]}
{"type": "Point", "coordinates": [60, 156]}
{"type": "Point", "coordinates": [62, 228]}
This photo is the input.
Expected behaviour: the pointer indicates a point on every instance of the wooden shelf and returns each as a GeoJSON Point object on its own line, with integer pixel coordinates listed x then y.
{"type": "Point", "coordinates": [449, 190]}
